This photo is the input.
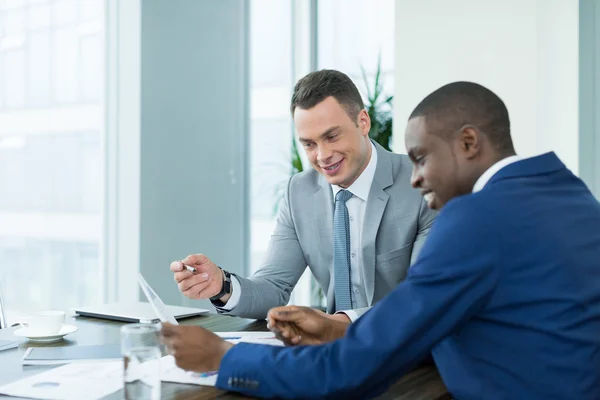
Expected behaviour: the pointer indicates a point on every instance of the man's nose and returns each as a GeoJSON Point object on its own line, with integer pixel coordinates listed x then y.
{"type": "Point", "coordinates": [324, 153]}
{"type": "Point", "coordinates": [415, 178]}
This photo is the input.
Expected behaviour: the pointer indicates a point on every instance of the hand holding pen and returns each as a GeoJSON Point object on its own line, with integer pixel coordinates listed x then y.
{"type": "Point", "coordinates": [197, 276]}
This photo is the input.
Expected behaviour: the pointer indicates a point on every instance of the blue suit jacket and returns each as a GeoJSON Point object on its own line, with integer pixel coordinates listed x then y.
{"type": "Point", "coordinates": [505, 295]}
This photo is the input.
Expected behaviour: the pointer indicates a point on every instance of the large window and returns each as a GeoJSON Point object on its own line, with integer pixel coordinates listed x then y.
{"type": "Point", "coordinates": [51, 159]}
{"type": "Point", "coordinates": [271, 86]}
{"type": "Point", "coordinates": [357, 35]}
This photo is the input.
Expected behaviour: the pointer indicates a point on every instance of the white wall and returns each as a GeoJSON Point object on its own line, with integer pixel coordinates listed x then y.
{"type": "Point", "coordinates": [526, 51]}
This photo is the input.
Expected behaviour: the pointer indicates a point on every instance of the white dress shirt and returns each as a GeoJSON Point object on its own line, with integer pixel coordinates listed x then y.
{"type": "Point", "coordinates": [491, 171]}
{"type": "Point", "coordinates": [356, 211]}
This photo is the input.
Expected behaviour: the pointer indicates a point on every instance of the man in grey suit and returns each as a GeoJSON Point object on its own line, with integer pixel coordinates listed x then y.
{"type": "Point", "coordinates": [353, 219]}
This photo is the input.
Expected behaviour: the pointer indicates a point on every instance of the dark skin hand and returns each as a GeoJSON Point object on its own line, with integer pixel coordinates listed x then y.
{"type": "Point", "coordinates": [306, 326]}
{"type": "Point", "coordinates": [194, 348]}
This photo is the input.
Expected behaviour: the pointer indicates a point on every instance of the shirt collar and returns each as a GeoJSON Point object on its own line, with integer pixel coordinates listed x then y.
{"type": "Point", "coordinates": [362, 185]}
{"type": "Point", "coordinates": [491, 171]}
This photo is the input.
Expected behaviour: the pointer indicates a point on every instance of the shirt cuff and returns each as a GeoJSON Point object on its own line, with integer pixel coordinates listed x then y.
{"type": "Point", "coordinates": [236, 293]}
{"type": "Point", "coordinates": [349, 313]}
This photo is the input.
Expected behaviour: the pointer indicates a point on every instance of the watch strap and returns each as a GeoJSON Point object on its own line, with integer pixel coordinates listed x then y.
{"type": "Point", "coordinates": [225, 289]}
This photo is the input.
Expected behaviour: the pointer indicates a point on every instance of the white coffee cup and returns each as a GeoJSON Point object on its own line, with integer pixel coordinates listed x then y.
{"type": "Point", "coordinates": [43, 323]}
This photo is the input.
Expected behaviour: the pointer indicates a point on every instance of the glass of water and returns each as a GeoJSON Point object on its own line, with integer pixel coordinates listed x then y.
{"type": "Point", "coordinates": [141, 349]}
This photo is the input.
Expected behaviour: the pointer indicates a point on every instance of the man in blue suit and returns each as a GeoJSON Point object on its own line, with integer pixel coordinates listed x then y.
{"type": "Point", "coordinates": [505, 294]}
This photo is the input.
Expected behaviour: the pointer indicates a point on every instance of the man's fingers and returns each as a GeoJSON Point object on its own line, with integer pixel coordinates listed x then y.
{"type": "Point", "coordinates": [195, 292]}
{"type": "Point", "coordinates": [286, 330]}
{"type": "Point", "coordinates": [296, 339]}
{"type": "Point", "coordinates": [276, 310]}
{"type": "Point", "coordinates": [176, 266]}
{"type": "Point", "coordinates": [192, 280]}
{"type": "Point", "coordinates": [182, 275]}
{"type": "Point", "coordinates": [195, 259]}
{"type": "Point", "coordinates": [168, 330]}
{"type": "Point", "coordinates": [293, 341]}
{"type": "Point", "coordinates": [289, 315]}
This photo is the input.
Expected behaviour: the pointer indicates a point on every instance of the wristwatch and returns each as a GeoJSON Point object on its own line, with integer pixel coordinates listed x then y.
{"type": "Point", "coordinates": [225, 289]}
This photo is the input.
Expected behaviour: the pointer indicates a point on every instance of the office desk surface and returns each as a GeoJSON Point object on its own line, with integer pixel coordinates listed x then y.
{"type": "Point", "coordinates": [422, 384]}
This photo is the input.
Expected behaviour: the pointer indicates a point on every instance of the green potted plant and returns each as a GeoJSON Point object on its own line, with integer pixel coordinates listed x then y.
{"type": "Point", "coordinates": [379, 109]}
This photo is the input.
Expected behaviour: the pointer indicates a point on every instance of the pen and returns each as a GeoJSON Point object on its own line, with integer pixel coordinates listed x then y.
{"type": "Point", "coordinates": [204, 374]}
{"type": "Point", "coordinates": [191, 269]}
{"type": "Point", "coordinates": [239, 337]}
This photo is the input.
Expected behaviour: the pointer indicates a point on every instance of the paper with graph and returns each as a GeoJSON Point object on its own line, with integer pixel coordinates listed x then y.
{"type": "Point", "coordinates": [157, 304]}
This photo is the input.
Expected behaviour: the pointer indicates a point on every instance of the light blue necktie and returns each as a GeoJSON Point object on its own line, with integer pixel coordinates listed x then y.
{"type": "Point", "coordinates": [341, 252]}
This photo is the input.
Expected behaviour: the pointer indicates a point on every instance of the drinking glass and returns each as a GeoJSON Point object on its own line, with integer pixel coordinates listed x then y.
{"type": "Point", "coordinates": [141, 350]}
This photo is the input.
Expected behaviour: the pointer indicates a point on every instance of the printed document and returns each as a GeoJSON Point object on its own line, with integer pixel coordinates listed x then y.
{"type": "Point", "coordinates": [170, 372]}
{"type": "Point", "coordinates": [157, 304]}
{"type": "Point", "coordinates": [77, 381]}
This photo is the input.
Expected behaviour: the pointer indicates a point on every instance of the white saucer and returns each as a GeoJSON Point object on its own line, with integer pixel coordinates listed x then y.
{"type": "Point", "coordinates": [65, 330]}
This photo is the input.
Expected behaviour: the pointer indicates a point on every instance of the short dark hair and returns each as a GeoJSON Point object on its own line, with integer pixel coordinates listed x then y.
{"type": "Point", "coordinates": [461, 103]}
{"type": "Point", "coordinates": [317, 86]}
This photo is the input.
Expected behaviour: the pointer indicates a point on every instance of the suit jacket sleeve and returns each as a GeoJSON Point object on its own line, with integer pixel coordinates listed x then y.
{"type": "Point", "coordinates": [272, 285]}
{"type": "Point", "coordinates": [426, 218]}
{"type": "Point", "coordinates": [453, 279]}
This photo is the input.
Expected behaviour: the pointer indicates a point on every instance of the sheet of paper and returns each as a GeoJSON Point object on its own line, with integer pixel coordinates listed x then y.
{"type": "Point", "coordinates": [157, 304]}
{"type": "Point", "coordinates": [72, 381]}
{"type": "Point", "coordinates": [7, 344]}
{"type": "Point", "coordinates": [169, 372]}
{"type": "Point", "coordinates": [251, 337]}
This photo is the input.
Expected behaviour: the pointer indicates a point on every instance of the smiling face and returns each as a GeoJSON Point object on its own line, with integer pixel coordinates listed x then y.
{"type": "Point", "coordinates": [336, 146]}
{"type": "Point", "coordinates": [453, 136]}
{"type": "Point", "coordinates": [442, 168]}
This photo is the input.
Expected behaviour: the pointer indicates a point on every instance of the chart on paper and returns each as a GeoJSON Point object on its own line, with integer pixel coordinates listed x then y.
{"type": "Point", "coordinates": [251, 337]}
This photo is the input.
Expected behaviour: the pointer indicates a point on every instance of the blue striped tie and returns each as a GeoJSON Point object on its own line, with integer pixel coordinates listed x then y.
{"type": "Point", "coordinates": [341, 252]}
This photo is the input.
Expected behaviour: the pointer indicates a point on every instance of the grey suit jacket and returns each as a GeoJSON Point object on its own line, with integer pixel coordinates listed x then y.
{"type": "Point", "coordinates": [396, 223]}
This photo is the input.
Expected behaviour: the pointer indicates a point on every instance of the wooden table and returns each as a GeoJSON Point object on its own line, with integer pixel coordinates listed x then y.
{"type": "Point", "coordinates": [422, 384]}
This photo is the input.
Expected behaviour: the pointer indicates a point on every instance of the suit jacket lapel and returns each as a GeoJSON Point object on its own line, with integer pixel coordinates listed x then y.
{"type": "Point", "coordinates": [323, 222]}
{"type": "Point", "coordinates": [375, 207]}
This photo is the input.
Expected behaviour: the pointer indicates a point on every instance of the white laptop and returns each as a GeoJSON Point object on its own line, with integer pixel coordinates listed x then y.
{"type": "Point", "coordinates": [135, 312]}
{"type": "Point", "coordinates": [140, 312]}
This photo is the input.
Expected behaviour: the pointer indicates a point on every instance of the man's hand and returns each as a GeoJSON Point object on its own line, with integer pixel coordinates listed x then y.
{"type": "Point", "coordinates": [194, 348]}
{"type": "Point", "coordinates": [206, 282]}
{"type": "Point", "coordinates": [303, 325]}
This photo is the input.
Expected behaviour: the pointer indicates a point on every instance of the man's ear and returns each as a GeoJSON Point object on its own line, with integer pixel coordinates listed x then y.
{"type": "Point", "coordinates": [470, 141]}
{"type": "Point", "coordinates": [363, 121]}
